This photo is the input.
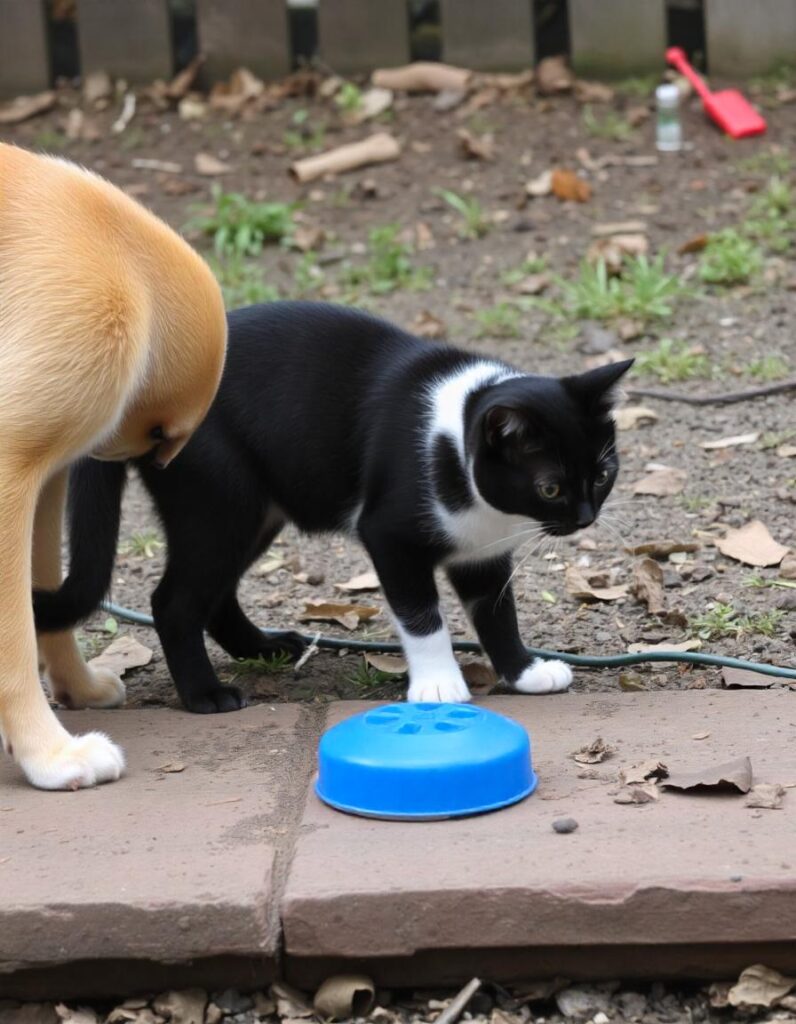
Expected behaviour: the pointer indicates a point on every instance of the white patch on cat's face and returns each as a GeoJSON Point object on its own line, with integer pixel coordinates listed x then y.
{"type": "Point", "coordinates": [434, 675]}
{"type": "Point", "coordinates": [480, 532]}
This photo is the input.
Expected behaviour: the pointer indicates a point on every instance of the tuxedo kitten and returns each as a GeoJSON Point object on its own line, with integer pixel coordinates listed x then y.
{"type": "Point", "coordinates": [332, 419]}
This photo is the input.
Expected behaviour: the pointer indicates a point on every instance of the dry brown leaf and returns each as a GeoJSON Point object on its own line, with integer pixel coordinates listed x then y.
{"type": "Point", "coordinates": [593, 92]}
{"type": "Point", "coordinates": [759, 985]}
{"type": "Point", "coordinates": [541, 185]}
{"type": "Point", "coordinates": [389, 663]}
{"type": "Point", "coordinates": [481, 678]}
{"type": "Point", "coordinates": [121, 654]}
{"type": "Point", "coordinates": [347, 615]}
{"type": "Point", "coordinates": [663, 548]}
{"type": "Point", "coordinates": [647, 585]}
{"type": "Point", "coordinates": [734, 774]}
{"type": "Point", "coordinates": [24, 107]}
{"type": "Point", "coordinates": [646, 794]}
{"type": "Point", "coordinates": [665, 645]}
{"type": "Point", "coordinates": [171, 767]}
{"type": "Point", "coordinates": [593, 753]}
{"type": "Point", "coordinates": [637, 114]}
{"type": "Point", "coordinates": [730, 442]}
{"type": "Point", "coordinates": [638, 774]}
{"type": "Point", "coordinates": [475, 147]}
{"type": "Point", "coordinates": [662, 483]}
{"type": "Point", "coordinates": [696, 244]}
{"type": "Point", "coordinates": [568, 187]}
{"type": "Point", "coordinates": [613, 250]}
{"type": "Point", "coordinates": [700, 735]}
{"type": "Point", "coordinates": [752, 544]}
{"type": "Point", "coordinates": [627, 417]}
{"type": "Point", "coordinates": [768, 795]}
{"type": "Point", "coordinates": [427, 325]}
{"type": "Point", "coordinates": [290, 1002]}
{"type": "Point", "coordinates": [581, 588]}
{"type": "Point", "coordinates": [786, 451]}
{"type": "Point", "coordinates": [210, 166]}
{"type": "Point", "coordinates": [269, 564]}
{"type": "Point", "coordinates": [182, 82]}
{"type": "Point", "coordinates": [423, 76]}
{"type": "Point", "coordinates": [308, 237]}
{"type": "Point", "coordinates": [345, 996]}
{"type": "Point", "coordinates": [233, 95]}
{"type": "Point", "coordinates": [553, 75]}
{"type": "Point", "coordinates": [533, 284]}
{"type": "Point", "coordinates": [364, 581]}
{"type": "Point", "coordinates": [186, 1007]}
{"type": "Point", "coordinates": [745, 679]}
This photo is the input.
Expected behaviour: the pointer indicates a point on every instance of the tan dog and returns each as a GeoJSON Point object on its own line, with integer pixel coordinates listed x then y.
{"type": "Point", "coordinates": [112, 341]}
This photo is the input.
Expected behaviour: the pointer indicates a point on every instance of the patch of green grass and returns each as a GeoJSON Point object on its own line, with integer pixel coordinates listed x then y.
{"type": "Point", "coordinates": [607, 125]}
{"type": "Point", "coordinates": [772, 217]}
{"type": "Point", "coordinates": [366, 678]}
{"type": "Point", "coordinates": [142, 545]}
{"type": "Point", "coordinates": [528, 266]}
{"type": "Point", "coordinates": [50, 141]}
{"type": "Point", "coordinates": [774, 438]}
{"type": "Point", "coordinates": [240, 226]}
{"type": "Point", "coordinates": [767, 162]}
{"type": "Point", "coordinates": [722, 620]}
{"type": "Point", "coordinates": [499, 321]}
{"type": "Point", "coordinates": [762, 582]}
{"type": "Point", "coordinates": [474, 222]}
{"type": "Point", "coordinates": [271, 665]}
{"type": "Point", "coordinates": [768, 368]}
{"type": "Point", "coordinates": [781, 77]}
{"type": "Point", "coordinates": [390, 265]}
{"type": "Point", "coordinates": [304, 134]}
{"type": "Point", "coordinates": [672, 361]}
{"type": "Point", "coordinates": [348, 98]}
{"type": "Point", "coordinates": [730, 259]}
{"type": "Point", "coordinates": [695, 502]}
{"type": "Point", "coordinates": [307, 276]}
{"type": "Point", "coordinates": [243, 282]}
{"type": "Point", "coordinates": [644, 291]}
{"type": "Point", "coordinates": [638, 86]}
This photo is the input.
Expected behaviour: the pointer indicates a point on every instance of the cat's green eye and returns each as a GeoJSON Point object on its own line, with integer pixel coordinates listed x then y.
{"type": "Point", "coordinates": [549, 491]}
{"type": "Point", "coordinates": [602, 477]}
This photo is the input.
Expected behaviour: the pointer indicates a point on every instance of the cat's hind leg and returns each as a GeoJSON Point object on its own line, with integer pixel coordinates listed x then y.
{"type": "Point", "coordinates": [484, 588]}
{"type": "Point", "coordinates": [230, 627]}
{"type": "Point", "coordinates": [72, 682]}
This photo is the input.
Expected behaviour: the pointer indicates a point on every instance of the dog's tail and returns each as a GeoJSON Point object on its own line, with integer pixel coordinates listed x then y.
{"type": "Point", "coordinates": [95, 507]}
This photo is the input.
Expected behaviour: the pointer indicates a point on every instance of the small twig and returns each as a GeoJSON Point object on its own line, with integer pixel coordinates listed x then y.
{"type": "Point", "coordinates": [723, 399]}
{"type": "Point", "coordinates": [126, 116]}
{"type": "Point", "coordinates": [458, 1004]}
{"type": "Point", "coordinates": [308, 653]}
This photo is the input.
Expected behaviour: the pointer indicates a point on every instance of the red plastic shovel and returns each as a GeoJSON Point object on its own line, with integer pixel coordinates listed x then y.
{"type": "Point", "coordinates": [734, 114]}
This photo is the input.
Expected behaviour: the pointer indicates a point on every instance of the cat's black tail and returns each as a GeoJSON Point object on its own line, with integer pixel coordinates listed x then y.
{"type": "Point", "coordinates": [95, 506]}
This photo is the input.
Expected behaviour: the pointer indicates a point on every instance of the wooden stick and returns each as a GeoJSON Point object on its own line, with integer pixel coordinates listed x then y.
{"type": "Point", "coordinates": [727, 398]}
{"type": "Point", "coordinates": [423, 76]}
{"type": "Point", "coordinates": [458, 1004]}
{"type": "Point", "coordinates": [373, 150]}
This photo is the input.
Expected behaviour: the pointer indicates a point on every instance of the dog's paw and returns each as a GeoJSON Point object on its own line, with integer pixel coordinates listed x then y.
{"type": "Point", "coordinates": [79, 762]}
{"type": "Point", "coordinates": [544, 677]}
{"type": "Point", "coordinates": [439, 689]}
{"type": "Point", "coordinates": [97, 688]}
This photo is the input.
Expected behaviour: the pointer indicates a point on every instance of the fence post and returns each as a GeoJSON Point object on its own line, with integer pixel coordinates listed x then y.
{"type": "Point", "coordinates": [127, 38]}
{"type": "Point", "coordinates": [360, 35]}
{"type": "Point", "coordinates": [749, 38]}
{"type": "Point", "coordinates": [24, 54]}
{"type": "Point", "coordinates": [244, 33]}
{"type": "Point", "coordinates": [497, 35]}
{"type": "Point", "coordinates": [617, 38]}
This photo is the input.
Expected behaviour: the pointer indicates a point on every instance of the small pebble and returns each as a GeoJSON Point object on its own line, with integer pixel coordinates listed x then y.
{"type": "Point", "coordinates": [564, 825]}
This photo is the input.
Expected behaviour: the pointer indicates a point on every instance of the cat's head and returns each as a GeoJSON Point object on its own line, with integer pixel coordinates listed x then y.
{"type": "Point", "coordinates": [543, 447]}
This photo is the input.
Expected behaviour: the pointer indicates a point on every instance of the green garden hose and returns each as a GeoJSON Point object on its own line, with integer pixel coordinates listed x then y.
{"type": "Point", "coordinates": [583, 660]}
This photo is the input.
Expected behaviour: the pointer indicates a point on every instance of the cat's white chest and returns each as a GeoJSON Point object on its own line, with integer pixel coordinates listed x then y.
{"type": "Point", "coordinates": [481, 532]}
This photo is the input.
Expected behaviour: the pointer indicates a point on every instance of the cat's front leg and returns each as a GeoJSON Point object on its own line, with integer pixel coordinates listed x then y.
{"type": "Point", "coordinates": [484, 589]}
{"type": "Point", "coordinates": [407, 578]}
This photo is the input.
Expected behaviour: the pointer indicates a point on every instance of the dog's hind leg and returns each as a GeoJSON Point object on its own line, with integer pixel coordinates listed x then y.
{"type": "Point", "coordinates": [49, 756]}
{"type": "Point", "coordinates": [72, 682]}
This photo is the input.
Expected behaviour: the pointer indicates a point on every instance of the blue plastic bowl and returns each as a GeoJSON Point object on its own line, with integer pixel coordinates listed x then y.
{"type": "Point", "coordinates": [421, 761]}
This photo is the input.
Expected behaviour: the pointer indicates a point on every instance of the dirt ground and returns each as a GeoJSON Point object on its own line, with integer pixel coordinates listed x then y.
{"type": "Point", "coordinates": [740, 335]}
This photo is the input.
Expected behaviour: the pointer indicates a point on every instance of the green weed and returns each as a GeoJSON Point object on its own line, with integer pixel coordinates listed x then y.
{"type": "Point", "coordinates": [770, 161]}
{"type": "Point", "coordinates": [367, 679]}
{"type": "Point", "coordinates": [389, 266]}
{"type": "Point", "coordinates": [142, 545]}
{"type": "Point", "coordinates": [528, 266]}
{"type": "Point", "coordinates": [762, 582]}
{"type": "Point", "coordinates": [474, 223]}
{"type": "Point", "coordinates": [304, 134]}
{"type": "Point", "coordinates": [721, 620]}
{"type": "Point", "coordinates": [768, 368]}
{"type": "Point", "coordinates": [243, 282]}
{"type": "Point", "coordinates": [50, 141]}
{"type": "Point", "coordinates": [271, 665]}
{"type": "Point", "coordinates": [695, 502]}
{"type": "Point", "coordinates": [499, 321]}
{"type": "Point", "coordinates": [348, 98]}
{"type": "Point", "coordinates": [608, 125]}
{"type": "Point", "coordinates": [307, 276]}
{"type": "Point", "coordinates": [729, 259]}
{"type": "Point", "coordinates": [240, 226]}
{"type": "Point", "coordinates": [672, 361]}
{"type": "Point", "coordinates": [774, 438]}
{"type": "Point", "coordinates": [644, 291]}
{"type": "Point", "coordinates": [638, 86]}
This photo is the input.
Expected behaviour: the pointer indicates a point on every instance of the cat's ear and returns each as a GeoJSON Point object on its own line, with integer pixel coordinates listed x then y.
{"type": "Point", "coordinates": [596, 389]}
{"type": "Point", "coordinates": [503, 424]}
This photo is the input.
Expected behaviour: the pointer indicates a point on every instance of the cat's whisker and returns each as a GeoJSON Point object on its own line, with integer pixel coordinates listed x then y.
{"type": "Point", "coordinates": [534, 531]}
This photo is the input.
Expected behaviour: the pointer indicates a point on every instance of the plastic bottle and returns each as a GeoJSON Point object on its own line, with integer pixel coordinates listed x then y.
{"type": "Point", "coordinates": [668, 133]}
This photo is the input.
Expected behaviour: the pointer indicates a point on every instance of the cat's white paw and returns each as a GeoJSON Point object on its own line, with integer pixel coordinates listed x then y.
{"type": "Point", "coordinates": [97, 688]}
{"type": "Point", "coordinates": [80, 762]}
{"type": "Point", "coordinates": [439, 689]}
{"type": "Point", "coordinates": [544, 677]}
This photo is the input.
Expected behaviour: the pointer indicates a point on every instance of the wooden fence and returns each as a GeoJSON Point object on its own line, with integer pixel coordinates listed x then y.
{"type": "Point", "coordinates": [132, 39]}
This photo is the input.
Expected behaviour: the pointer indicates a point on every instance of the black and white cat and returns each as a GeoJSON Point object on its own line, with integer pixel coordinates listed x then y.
{"type": "Point", "coordinates": [337, 421]}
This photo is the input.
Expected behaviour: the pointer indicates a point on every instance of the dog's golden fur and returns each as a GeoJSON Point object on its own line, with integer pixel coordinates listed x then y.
{"type": "Point", "coordinates": [112, 333]}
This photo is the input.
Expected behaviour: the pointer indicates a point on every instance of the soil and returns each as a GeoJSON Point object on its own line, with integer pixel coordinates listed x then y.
{"type": "Point", "coordinates": [707, 186]}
